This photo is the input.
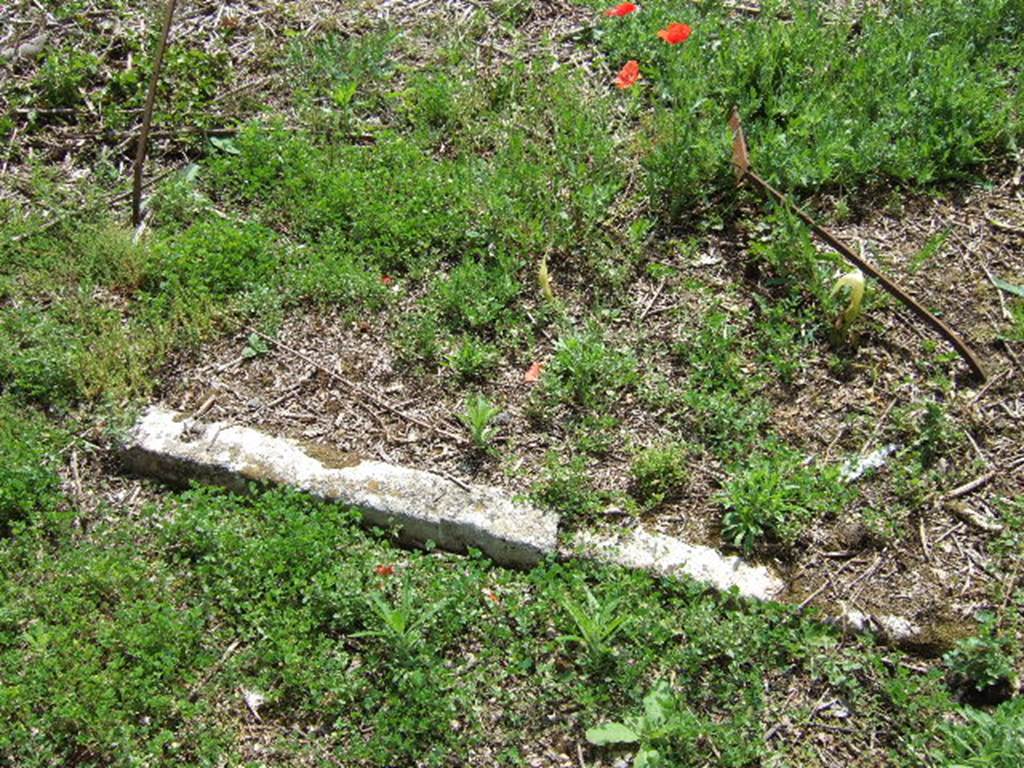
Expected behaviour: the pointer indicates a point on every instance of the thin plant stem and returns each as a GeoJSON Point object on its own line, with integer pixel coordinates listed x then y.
{"type": "Point", "coordinates": [147, 115]}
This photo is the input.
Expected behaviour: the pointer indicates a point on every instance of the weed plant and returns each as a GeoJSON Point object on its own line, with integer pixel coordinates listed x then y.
{"type": "Point", "coordinates": [587, 373]}
{"type": "Point", "coordinates": [983, 665]}
{"type": "Point", "coordinates": [774, 496]}
{"type": "Point", "coordinates": [597, 623]}
{"type": "Point", "coordinates": [659, 473]}
{"type": "Point", "coordinates": [566, 488]}
{"type": "Point", "coordinates": [476, 297]}
{"type": "Point", "coordinates": [478, 417]}
{"type": "Point", "coordinates": [471, 358]}
{"type": "Point", "coordinates": [985, 739]}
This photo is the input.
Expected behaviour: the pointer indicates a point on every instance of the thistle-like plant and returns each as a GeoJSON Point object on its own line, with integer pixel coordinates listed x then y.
{"type": "Point", "coordinates": [403, 623]}
{"type": "Point", "coordinates": [478, 417]}
{"type": "Point", "coordinates": [597, 623]}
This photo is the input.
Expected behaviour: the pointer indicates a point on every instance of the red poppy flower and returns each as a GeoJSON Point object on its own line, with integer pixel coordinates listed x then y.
{"type": "Point", "coordinates": [386, 279]}
{"type": "Point", "coordinates": [623, 9]}
{"type": "Point", "coordinates": [674, 34]}
{"type": "Point", "coordinates": [385, 570]}
{"type": "Point", "coordinates": [628, 75]}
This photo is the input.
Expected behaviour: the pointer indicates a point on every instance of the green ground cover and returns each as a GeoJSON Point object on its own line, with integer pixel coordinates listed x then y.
{"type": "Point", "coordinates": [131, 646]}
{"type": "Point", "coordinates": [429, 193]}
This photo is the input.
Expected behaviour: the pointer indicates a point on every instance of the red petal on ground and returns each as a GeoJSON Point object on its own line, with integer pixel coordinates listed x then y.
{"type": "Point", "coordinates": [623, 9]}
{"type": "Point", "coordinates": [674, 34]}
{"type": "Point", "coordinates": [628, 75]}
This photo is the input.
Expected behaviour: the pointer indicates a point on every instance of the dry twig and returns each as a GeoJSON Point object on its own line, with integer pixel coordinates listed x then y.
{"type": "Point", "coordinates": [147, 116]}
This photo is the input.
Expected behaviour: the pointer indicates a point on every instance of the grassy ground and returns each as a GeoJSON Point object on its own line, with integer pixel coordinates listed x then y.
{"type": "Point", "coordinates": [439, 202]}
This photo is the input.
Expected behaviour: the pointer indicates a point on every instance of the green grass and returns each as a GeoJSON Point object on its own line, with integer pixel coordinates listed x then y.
{"type": "Point", "coordinates": [808, 89]}
{"type": "Point", "coordinates": [422, 199]}
{"type": "Point", "coordinates": [134, 644]}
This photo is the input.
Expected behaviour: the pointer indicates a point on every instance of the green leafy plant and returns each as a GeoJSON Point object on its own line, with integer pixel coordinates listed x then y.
{"type": "Point", "coordinates": [586, 372]}
{"type": "Point", "coordinates": [670, 733]}
{"type": "Point", "coordinates": [477, 295]}
{"type": "Point", "coordinates": [566, 488]}
{"type": "Point", "coordinates": [597, 623]}
{"type": "Point", "coordinates": [775, 495]}
{"type": "Point", "coordinates": [730, 423]}
{"type": "Point", "coordinates": [478, 417]}
{"type": "Point", "coordinates": [39, 359]}
{"type": "Point", "coordinates": [983, 665]}
{"type": "Point", "coordinates": [932, 247]}
{"type": "Point", "coordinates": [402, 623]}
{"type": "Point", "coordinates": [335, 77]}
{"type": "Point", "coordinates": [417, 339]}
{"type": "Point", "coordinates": [216, 257]}
{"type": "Point", "coordinates": [659, 473]}
{"type": "Point", "coordinates": [431, 101]}
{"type": "Point", "coordinates": [648, 730]}
{"type": "Point", "coordinates": [785, 335]}
{"type": "Point", "coordinates": [1016, 331]}
{"type": "Point", "coordinates": [472, 358]}
{"type": "Point", "coordinates": [63, 78]}
{"type": "Point", "coordinates": [713, 353]}
{"type": "Point", "coordinates": [255, 346]}
{"type": "Point", "coordinates": [937, 434]}
{"type": "Point", "coordinates": [28, 483]}
{"type": "Point", "coordinates": [936, 64]}
{"type": "Point", "coordinates": [984, 739]}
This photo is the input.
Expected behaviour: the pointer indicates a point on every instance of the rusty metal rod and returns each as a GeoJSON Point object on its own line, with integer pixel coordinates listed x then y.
{"type": "Point", "coordinates": [147, 116]}
{"type": "Point", "coordinates": [744, 173]}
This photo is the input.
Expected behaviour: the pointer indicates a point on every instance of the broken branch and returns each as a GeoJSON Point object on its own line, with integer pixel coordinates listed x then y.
{"type": "Point", "coordinates": [741, 166]}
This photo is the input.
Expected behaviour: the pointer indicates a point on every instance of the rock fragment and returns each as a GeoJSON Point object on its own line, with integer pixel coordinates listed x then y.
{"type": "Point", "coordinates": [422, 505]}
